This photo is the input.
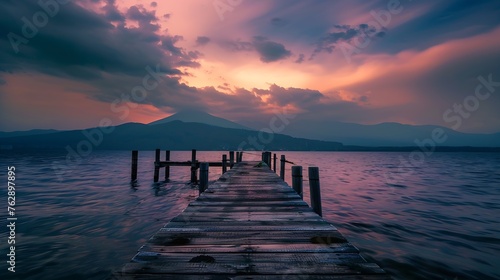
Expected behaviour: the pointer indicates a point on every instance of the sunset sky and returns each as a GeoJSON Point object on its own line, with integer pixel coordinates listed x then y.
{"type": "Point", "coordinates": [351, 61]}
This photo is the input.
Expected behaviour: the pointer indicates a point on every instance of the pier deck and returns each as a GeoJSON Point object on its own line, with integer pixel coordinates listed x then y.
{"type": "Point", "coordinates": [249, 225]}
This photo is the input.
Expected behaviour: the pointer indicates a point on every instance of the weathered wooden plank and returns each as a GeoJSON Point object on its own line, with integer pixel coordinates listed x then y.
{"type": "Point", "coordinates": [242, 216]}
{"type": "Point", "coordinates": [245, 216]}
{"type": "Point", "coordinates": [228, 228]}
{"type": "Point", "coordinates": [245, 268]}
{"type": "Point", "coordinates": [253, 248]}
{"type": "Point", "coordinates": [230, 258]}
{"type": "Point", "coordinates": [231, 228]}
{"type": "Point", "coordinates": [235, 192]}
{"type": "Point", "coordinates": [186, 163]}
{"type": "Point", "coordinates": [238, 238]}
{"type": "Point", "coordinates": [248, 203]}
{"type": "Point", "coordinates": [255, 209]}
{"type": "Point", "coordinates": [249, 196]}
{"type": "Point", "coordinates": [308, 234]}
{"type": "Point", "coordinates": [253, 225]}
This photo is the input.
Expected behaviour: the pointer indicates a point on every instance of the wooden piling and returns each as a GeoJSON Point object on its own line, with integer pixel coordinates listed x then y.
{"type": "Point", "coordinates": [248, 225]}
{"type": "Point", "coordinates": [266, 157]}
{"type": "Point", "coordinates": [224, 163]}
{"type": "Point", "coordinates": [167, 168]}
{"type": "Point", "coordinates": [241, 156]}
{"type": "Point", "coordinates": [135, 157]}
{"type": "Point", "coordinates": [203, 177]}
{"type": "Point", "coordinates": [282, 167]}
{"type": "Point", "coordinates": [297, 180]}
{"type": "Point", "coordinates": [231, 159]}
{"type": "Point", "coordinates": [193, 166]}
{"type": "Point", "coordinates": [274, 163]}
{"type": "Point", "coordinates": [315, 190]}
{"type": "Point", "coordinates": [157, 166]}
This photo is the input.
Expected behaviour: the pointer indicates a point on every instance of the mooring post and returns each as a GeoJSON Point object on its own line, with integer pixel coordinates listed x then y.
{"type": "Point", "coordinates": [315, 190]}
{"type": "Point", "coordinates": [167, 168]}
{"type": "Point", "coordinates": [282, 167]}
{"type": "Point", "coordinates": [193, 166]}
{"type": "Point", "coordinates": [266, 158]}
{"type": "Point", "coordinates": [274, 163]}
{"type": "Point", "coordinates": [135, 157]}
{"type": "Point", "coordinates": [203, 177]}
{"type": "Point", "coordinates": [297, 180]}
{"type": "Point", "coordinates": [224, 163]}
{"type": "Point", "coordinates": [241, 156]}
{"type": "Point", "coordinates": [238, 157]}
{"type": "Point", "coordinates": [231, 159]}
{"type": "Point", "coordinates": [157, 166]}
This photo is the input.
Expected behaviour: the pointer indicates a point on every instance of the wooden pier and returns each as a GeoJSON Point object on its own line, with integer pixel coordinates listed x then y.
{"type": "Point", "coordinates": [249, 224]}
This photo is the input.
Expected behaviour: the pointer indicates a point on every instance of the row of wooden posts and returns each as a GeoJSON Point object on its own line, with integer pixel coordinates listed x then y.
{"type": "Point", "coordinates": [297, 177]}
{"type": "Point", "coordinates": [193, 163]}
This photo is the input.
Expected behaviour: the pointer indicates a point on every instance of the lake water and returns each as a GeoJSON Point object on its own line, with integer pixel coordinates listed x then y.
{"type": "Point", "coordinates": [436, 220]}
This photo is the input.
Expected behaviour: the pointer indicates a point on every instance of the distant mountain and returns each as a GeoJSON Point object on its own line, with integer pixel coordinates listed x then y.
{"type": "Point", "coordinates": [194, 116]}
{"type": "Point", "coordinates": [27, 132]}
{"type": "Point", "coordinates": [385, 134]}
{"type": "Point", "coordinates": [174, 135]}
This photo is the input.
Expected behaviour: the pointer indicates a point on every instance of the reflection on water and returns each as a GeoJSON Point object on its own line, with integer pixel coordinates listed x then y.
{"type": "Point", "coordinates": [439, 222]}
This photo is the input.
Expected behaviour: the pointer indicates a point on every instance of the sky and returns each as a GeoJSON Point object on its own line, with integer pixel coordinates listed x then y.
{"type": "Point", "coordinates": [70, 64]}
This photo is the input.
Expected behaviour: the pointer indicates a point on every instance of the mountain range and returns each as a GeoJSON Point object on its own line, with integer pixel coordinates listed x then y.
{"type": "Point", "coordinates": [172, 135]}
{"type": "Point", "coordinates": [195, 129]}
{"type": "Point", "coordinates": [386, 134]}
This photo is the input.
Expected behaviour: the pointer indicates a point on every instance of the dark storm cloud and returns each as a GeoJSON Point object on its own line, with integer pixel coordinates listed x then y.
{"type": "Point", "coordinates": [300, 98]}
{"type": "Point", "coordinates": [269, 51]}
{"type": "Point", "coordinates": [345, 33]}
{"type": "Point", "coordinates": [146, 19]}
{"type": "Point", "coordinates": [112, 13]}
{"type": "Point", "coordinates": [77, 41]}
{"type": "Point", "coordinates": [242, 100]}
{"type": "Point", "coordinates": [97, 48]}
{"type": "Point", "coordinates": [202, 40]}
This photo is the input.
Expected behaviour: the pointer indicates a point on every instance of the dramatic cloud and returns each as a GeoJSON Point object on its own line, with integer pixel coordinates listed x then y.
{"type": "Point", "coordinates": [97, 47]}
{"type": "Point", "coordinates": [346, 34]}
{"type": "Point", "coordinates": [92, 54]}
{"type": "Point", "coordinates": [268, 50]}
{"type": "Point", "coordinates": [300, 59]}
{"type": "Point", "coordinates": [299, 98]}
{"type": "Point", "coordinates": [111, 58]}
{"type": "Point", "coordinates": [202, 40]}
